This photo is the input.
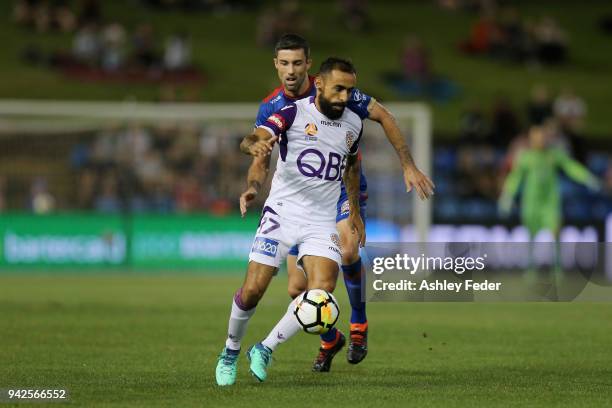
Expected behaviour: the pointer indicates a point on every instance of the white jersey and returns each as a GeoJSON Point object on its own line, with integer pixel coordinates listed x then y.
{"type": "Point", "coordinates": [313, 150]}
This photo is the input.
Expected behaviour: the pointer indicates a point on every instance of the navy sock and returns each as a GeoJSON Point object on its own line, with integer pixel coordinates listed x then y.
{"type": "Point", "coordinates": [353, 282]}
{"type": "Point", "coordinates": [330, 335]}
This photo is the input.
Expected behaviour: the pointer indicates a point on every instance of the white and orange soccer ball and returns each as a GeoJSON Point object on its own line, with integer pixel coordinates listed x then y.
{"type": "Point", "coordinates": [316, 311]}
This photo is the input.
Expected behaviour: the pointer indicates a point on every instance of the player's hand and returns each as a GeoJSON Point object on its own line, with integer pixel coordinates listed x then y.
{"type": "Point", "coordinates": [416, 179]}
{"type": "Point", "coordinates": [594, 184]}
{"type": "Point", "coordinates": [504, 206]}
{"type": "Point", "coordinates": [357, 226]}
{"type": "Point", "coordinates": [246, 199]}
{"type": "Point", "coordinates": [262, 147]}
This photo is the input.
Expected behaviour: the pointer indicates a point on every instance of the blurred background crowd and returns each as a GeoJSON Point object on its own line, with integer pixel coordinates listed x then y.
{"type": "Point", "coordinates": [482, 107]}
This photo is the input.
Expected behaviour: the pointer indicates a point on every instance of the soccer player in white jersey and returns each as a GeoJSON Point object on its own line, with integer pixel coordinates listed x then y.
{"type": "Point", "coordinates": [292, 61]}
{"type": "Point", "coordinates": [301, 207]}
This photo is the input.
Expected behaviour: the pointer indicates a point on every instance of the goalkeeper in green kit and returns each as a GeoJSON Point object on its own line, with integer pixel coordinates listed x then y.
{"type": "Point", "coordinates": [538, 166]}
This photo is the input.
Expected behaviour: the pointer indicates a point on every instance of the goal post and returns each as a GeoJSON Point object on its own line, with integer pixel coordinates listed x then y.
{"type": "Point", "coordinates": [40, 117]}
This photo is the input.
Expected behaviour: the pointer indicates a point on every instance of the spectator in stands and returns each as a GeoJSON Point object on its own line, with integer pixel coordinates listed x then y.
{"type": "Point", "coordinates": [133, 144]}
{"type": "Point", "coordinates": [570, 109]}
{"type": "Point", "coordinates": [188, 194]}
{"type": "Point", "coordinates": [539, 107]}
{"type": "Point", "coordinates": [177, 53]}
{"type": "Point", "coordinates": [108, 201]}
{"type": "Point", "coordinates": [41, 200]}
{"type": "Point", "coordinates": [415, 61]}
{"type": "Point", "coordinates": [416, 78]}
{"type": "Point", "coordinates": [45, 16]}
{"type": "Point", "coordinates": [485, 33]}
{"type": "Point", "coordinates": [90, 13]}
{"type": "Point", "coordinates": [551, 41]}
{"type": "Point", "coordinates": [473, 126]}
{"type": "Point", "coordinates": [86, 45]}
{"type": "Point", "coordinates": [144, 47]}
{"type": "Point", "coordinates": [355, 15]}
{"type": "Point", "coordinates": [504, 123]}
{"type": "Point", "coordinates": [113, 47]}
{"type": "Point", "coordinates": [149, 169]}
{"type": "Point", "coordinates": [86, 190]}
{"type": "Point", "coordinates": [512, 42]}
{"type": "Point", "coordinates": [288, 17]}
{"type": "Point", "coordinates": [162, 197]}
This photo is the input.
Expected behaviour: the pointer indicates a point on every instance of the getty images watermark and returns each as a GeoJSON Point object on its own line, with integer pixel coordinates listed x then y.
{"type": "Point", "coordinates": [488, 272]}
{"type": "Point", "coordinates": [412, 265]}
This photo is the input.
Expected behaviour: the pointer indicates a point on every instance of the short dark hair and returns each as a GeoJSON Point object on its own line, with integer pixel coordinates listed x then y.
{"type": "Point", "coordinates": [337, 63]}
{"type": "Point", "coordinates": [292, 42]}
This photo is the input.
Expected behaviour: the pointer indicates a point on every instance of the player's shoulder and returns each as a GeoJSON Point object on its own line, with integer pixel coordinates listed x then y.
{"type": "Point", "coordinates": [352, 118]}
{"type": "Point", "coordinates": [274, 96]}
{"type": "Point", "coordinates": [357, 96]}
{"type": "Point", "coordinates": [360, 103]}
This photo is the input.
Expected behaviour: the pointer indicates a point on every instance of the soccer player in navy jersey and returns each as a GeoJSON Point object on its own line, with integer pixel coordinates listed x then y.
{"type": "Point", "coordinates": [292, 62]}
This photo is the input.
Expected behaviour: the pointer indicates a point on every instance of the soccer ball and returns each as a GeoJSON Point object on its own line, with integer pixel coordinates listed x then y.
{"type": "Point", "coordinates": [316, 311]}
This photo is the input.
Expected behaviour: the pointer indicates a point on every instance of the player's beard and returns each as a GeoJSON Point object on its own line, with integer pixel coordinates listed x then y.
{"type": "Point", "coordinates": [328, 108]}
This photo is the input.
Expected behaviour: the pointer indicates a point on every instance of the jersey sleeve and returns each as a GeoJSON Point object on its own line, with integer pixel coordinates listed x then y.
{"type": "Point", "coordinates": [281, 120]}
{"type": "Point", "coordinates": [355, 146]}
{"type": "Point", "coordinates": [361, 103]}
{"type": "Point", "coordinates": [575, 170]}
{"type": "Point", "coordinates": [514, 178]}
{"type": "Point", "coordinates": [262, 114]}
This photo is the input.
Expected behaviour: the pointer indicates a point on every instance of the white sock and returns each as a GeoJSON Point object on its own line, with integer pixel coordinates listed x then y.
{"type": "Point", "coordinates": [286, 328]}
{"type": "Point", "coordinates": [238, 321]}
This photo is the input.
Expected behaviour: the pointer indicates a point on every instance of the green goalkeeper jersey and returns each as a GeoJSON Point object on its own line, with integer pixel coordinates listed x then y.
{"type": "Point", "coordinates": [541, 197]}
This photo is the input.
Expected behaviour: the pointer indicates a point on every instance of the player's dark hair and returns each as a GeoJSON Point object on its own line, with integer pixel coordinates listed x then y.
{"type": "Point", "coordinates": [292, 42]}
{"type": "Point", "coordinates": [336, 63]}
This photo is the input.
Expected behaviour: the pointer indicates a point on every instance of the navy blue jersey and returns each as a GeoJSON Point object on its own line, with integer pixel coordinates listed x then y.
{"type": "Point", "coordinates": [358, 102]}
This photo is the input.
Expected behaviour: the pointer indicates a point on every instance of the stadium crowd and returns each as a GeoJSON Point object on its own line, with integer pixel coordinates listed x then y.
{"type": "Point", "coordinates": [105, 49]}
{"type": "Point", "coordinates": [170, 167]}
{"type": "Point", "coordinates": [502, 33]}
{"type": "Point", "coordinates": [188, 167]}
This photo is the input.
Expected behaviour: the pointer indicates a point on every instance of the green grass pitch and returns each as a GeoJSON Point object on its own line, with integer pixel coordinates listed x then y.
{"type": "Point", "coordinates": [149, 341]}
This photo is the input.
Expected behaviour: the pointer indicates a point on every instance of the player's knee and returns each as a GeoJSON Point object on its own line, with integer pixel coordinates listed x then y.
{"type": "Point", "coordinates": [350, 251]}
{"type": "Point", "coordinates": [329, 286]}
{"type": "Point", "coordinates": [295, 287]}
{"type": "Point", "coordinates": [295, 291]}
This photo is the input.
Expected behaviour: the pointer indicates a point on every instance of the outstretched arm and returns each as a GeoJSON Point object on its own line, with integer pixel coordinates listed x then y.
{"type": "Point", "coordinates": [351, 183]}
{"type": "Point", "coordinates": [413, 177]}
{"type": "Point", "coordinates": [511, 185]}
{"type": "Point", "coordinates": [577, 171]}
{"type": "Point", "coordinates": [258, 143]}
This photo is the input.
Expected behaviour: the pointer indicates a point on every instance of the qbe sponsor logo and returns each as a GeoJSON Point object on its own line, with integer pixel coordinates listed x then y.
{"type": "Point", "coordinates": [265, 246]}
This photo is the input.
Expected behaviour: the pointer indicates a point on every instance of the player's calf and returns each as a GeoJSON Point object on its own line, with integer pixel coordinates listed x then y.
{"type": "Point", "coordinates": [353, 279]}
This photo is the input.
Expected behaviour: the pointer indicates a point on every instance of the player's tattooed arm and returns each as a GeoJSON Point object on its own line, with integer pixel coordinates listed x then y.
{"type": "Point", "coordinates": [258, 143]}
{"type": "Point", "coordinates": [351, 183]}
{"type": "Point", "coordinates": [413, 177]}
{"type": "Point", "coordinates": [256, 176]}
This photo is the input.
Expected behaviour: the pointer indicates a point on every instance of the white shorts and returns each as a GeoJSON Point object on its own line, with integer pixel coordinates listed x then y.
{"type": "Point", "coordinates": [276, 235]}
